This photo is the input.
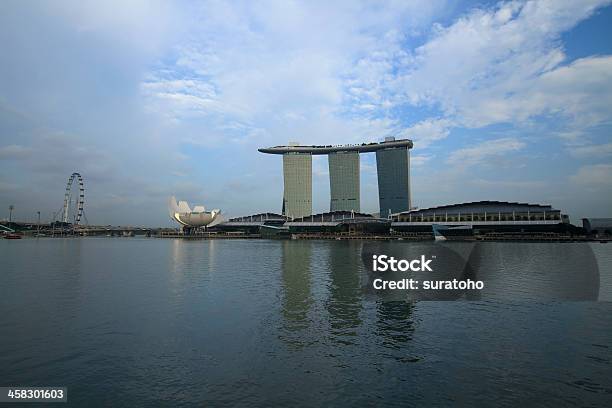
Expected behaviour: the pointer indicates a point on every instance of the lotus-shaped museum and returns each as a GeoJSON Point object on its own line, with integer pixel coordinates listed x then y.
{"type": "Point", "coordinates": [198, 217]}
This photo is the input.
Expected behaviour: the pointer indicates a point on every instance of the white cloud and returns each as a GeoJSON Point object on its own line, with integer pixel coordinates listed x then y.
{"type": "Point", "coordinates": [581, 92]}
{"type": "Point", "coordinates": [594, 175]}
{"type": "Point", "coordinates": [279, 66]}
{"type": "Point", "coordinates": [509, 184]}
{"type": "Point", "coordinates": [420, 160]}
{"type": "Point", "coordinates": [295, 64]}
{"type": "Point", "coordinates": [470, 156]}
{"type": "Point", "coordinates": [427, 131]}
{"type": "Point", "coordinates": [503, 65]}
{"type": "Point", "coordinates": [591, 151]}
{"type": "Point", "coordinates": [143, 25]}
{"type": "Point", "coordinates": [249, 74]}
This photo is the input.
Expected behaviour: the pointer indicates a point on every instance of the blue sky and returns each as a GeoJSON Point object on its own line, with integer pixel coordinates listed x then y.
{"type": "Point", "coordinates": [504, 101]}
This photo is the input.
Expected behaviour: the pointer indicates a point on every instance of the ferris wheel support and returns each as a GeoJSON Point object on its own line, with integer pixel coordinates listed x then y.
{"type": "Point", "coordinates": [80, 200]}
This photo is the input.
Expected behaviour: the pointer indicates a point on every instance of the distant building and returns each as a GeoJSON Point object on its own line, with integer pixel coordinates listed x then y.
{"type": "Point", "coordinates": [486, 216]}
{"type": "Point", "coordinates": [597, 226]}
{"type": "Point", "coordinates": [192, 218]}
{"type": "Point", "coordinates": [393, 169]}
{"type": "Point", "coordinates": [344, 181]}
{"type": "Point", "coordinates": [272, 225]}
{"type": "Point", "coordinates": [339, 222]}
{"type": "Point", "coordinates": [510, 220]}
{"type": "Point", "coordinates": [252, 223]}
{"type": "Point", "coordinates": [393, 165]}
{"type": "Point", "coordinates": [297, 193]}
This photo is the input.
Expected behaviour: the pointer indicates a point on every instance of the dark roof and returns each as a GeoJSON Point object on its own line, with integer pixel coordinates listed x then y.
{"type": "Point", "coordinates": [336, 214]}
{"type": "Point", "coordinates": [487, 205]}
{"type": "Point", "coordinates": [257, 217]}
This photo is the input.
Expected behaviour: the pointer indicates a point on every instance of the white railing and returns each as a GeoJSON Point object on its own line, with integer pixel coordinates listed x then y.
{"type": "Point", "coordinates": [476, 222]}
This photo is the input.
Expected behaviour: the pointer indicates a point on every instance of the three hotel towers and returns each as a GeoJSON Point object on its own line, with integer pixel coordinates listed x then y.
{"type": "Point", "coordinates": [392, 165]}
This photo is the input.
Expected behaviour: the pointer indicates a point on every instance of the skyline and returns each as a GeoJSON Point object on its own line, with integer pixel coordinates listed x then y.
{"type": "Point", "coordinates": [506, 101]}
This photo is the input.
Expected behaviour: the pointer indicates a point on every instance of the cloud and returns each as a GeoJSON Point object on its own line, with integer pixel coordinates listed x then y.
{"type": "Point", "coordinates": [284, 69]}
{"type": "Point", "coordinates": [484, 67]}
{"type": "Point", "coordinates": [152, 98]}
{"type": "Point", "coordinates": [146, 25]}
{"type": "Point", "coordinates": [8, 188]}
{"type": "Point", "coordinates": [592, 151]}
{"type": "Point", "coordinates": [501, 64]}
{"type": "Point", "coordinates": [492, 149]}
{"type": "Point", "coordinates": [419, 160]}
{"type": "Point", "coordinates": [512, 184]}
{"type": "Point", "coordinates": [427, 131]}
{"type": "Point", "coordinates": [593, 175]}
{"type": "Point", "coordinates": [581, 93]}
{"type": "Point", "coordinates": [14, 152]}
{"type": "Point", "coordinates": [58, 155]}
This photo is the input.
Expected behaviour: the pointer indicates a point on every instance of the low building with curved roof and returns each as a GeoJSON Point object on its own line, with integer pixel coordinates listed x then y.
{"type": "Point", "coordinates": [493, 216]}
{"type": "Point", "coordinates": [597, 226]}
{"type": "Point", "coordinates": [252, 223]}
{"type": "Point", "coordinates": [339, 222]}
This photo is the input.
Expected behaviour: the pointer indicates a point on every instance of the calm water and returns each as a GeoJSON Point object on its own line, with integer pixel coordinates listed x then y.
{"type": "Point", "coordinates": [148, 321]}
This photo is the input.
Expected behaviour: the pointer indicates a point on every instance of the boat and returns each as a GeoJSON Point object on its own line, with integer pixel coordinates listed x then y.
{"type": "Point", "coordinates": [12, 236]}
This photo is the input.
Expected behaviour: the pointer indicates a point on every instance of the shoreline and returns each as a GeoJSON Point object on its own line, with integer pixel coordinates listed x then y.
{"type": "Point", "coordinates": [551, 238]}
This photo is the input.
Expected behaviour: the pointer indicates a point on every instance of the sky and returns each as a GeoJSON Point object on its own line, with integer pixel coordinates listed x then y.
{"type": "Point", "coordinates": [506, 100]}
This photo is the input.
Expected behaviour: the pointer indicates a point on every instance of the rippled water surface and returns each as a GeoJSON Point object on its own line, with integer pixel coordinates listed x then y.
{"type": "Point", "coordinates": [132, 321]}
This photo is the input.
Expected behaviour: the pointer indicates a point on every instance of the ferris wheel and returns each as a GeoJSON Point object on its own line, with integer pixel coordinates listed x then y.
{"type": "Point", "coordinates": [74, 204]}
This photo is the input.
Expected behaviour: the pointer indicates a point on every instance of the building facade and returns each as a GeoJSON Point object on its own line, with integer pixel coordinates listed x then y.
{"type": "Point", "coordinates": [393, 169]}
{"type": "Point", "coordinates": [297, 179]}
{"type": "Point", "coordinates": [393, 164]}
{"type": "Point", "coordinates": [597, 226]}
{"type": "Point", "coordinates": [344, 181]}
{"type": "Point", "coordinates": [483, 212]}
{"type": "Point", "coordinates": [485, 217]}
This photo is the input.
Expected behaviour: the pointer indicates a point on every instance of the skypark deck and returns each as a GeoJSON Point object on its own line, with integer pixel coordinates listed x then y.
{"type": "Point", "coordinates": [361, 148]}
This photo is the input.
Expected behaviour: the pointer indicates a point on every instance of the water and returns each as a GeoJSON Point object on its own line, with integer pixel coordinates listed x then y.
{"type": "Point", "coordinates": [131, 321]}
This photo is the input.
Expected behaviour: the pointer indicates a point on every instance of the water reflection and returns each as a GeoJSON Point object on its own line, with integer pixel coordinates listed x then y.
{"type": "Point", "coordinates": [296, 294]}
{"type": "Point", "coordinates": [537, 271]}
{"type": "Point", "coordinates": [345, 295]}
{"type": "Point", "coordinates": [69, 272]}
{"type": "Point", "coordinates": [394, 323]}
{"type": "Point", "coordinates": [189, 259]}
{"type": "Point", "coordinates": [304, 266]}
{"type": "Point", "coordinates": [283, 323]}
